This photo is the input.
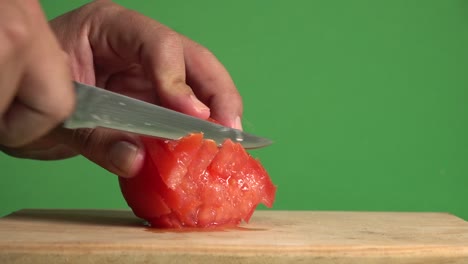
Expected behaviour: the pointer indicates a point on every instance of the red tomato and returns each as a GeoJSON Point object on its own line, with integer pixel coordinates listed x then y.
{"type": "Point", "coordinates": [193, 183]}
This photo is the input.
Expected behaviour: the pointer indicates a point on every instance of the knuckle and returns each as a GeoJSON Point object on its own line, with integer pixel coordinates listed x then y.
{"type": "Point", "coordinates": [103, 4]}
{"type": "Point", "coordinates": [204, 50]}
{"type": "Point", "coordinates": [55, 104]}
{"type": "Point", "coordinates": [98, 9]}
{"type": "Point", "coordinates": [197, 47]}
{"type": "Point", "coordinates": [60, 111]}
{"type": "Point", "coordinates": [83, 138]}
{"type": "Point", "coordinates": [169, 38]}
{"type": "Point", "coordinates": [169, 34]}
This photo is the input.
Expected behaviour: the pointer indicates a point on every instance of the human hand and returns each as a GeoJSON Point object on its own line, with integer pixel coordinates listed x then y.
{"type": "Point", "coordinates": [35, 88]}
{"type": "Point", "coordinates": [123, 51]}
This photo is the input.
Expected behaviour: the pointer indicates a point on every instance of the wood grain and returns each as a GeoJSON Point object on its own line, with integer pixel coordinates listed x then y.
{"type": "Point", "coordinates": [93, 236]}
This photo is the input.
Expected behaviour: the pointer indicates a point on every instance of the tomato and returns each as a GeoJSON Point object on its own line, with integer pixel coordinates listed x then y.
{"type": "Point", "coordinates": [191, 182]}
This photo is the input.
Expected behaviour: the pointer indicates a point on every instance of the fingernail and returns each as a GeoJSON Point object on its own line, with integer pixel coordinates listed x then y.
{"type": "Point", "coordinates": [199, 106]}
{"type": "Point", "coordinates": [123, 156]}
{"type": "Point", "coordinates": [238, 123]}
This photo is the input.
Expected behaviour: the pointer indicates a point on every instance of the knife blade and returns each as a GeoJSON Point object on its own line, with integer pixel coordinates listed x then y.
{"type": "Point", "coordinates": [96, 107]}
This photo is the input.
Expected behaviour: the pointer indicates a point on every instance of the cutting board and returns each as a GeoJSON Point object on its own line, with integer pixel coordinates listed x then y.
{"type": "Point", "coordinates": [93, 236]}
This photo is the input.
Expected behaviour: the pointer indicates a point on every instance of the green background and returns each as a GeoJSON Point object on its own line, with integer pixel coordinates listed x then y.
{"type": "Point", "coordinates": [367, 102]}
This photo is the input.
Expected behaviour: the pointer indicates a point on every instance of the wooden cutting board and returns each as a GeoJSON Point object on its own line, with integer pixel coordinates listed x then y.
{"type": "Point", "coordinates": [92, 236]}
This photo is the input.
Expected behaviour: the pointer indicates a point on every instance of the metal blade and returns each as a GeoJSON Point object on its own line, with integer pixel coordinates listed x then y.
{"type": "Point", "coordinates": [97, 107]}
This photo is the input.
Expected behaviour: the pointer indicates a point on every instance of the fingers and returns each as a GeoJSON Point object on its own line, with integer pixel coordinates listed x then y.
{"type": "Point", "coordinates": [119, 153]}
{"type": "Point", "coordinates": [10, 68]}
{"type": "Point", "coordinates": [134, 77]}
{"type": "Point", "coordinates": [138, 39]}
{"type": "Point", "coordinates": [167, 68]}
{"type": "Point", "coordinates": [180, 71]}
{"type": "Point", "coordinates": [41, 103]}
{"type": "Point", "coordinates": [213, 84]}
{"type": "Point", "coordinates": [37, 93]}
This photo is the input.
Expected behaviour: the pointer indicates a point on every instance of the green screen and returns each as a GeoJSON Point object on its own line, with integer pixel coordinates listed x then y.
{"type": "Point", "coordinates": [366, 101]}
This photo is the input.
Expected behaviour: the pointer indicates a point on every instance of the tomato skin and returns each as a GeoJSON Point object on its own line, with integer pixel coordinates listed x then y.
{"type": "Point", "coordinates": [149, 191]}
{"type": "Point", "coordinates": [193, 183]}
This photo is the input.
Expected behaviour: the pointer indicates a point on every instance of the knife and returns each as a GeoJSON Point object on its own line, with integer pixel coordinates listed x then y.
{"type": "Point", "coordinates": [98, 107]}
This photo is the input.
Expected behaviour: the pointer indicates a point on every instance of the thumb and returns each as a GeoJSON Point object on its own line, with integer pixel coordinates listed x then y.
{"type": "Point", "coordinates": [118, 152]}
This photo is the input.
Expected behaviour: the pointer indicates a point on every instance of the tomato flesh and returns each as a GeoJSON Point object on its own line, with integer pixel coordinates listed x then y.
{"type": "Point", "coordinates": [192, 182]}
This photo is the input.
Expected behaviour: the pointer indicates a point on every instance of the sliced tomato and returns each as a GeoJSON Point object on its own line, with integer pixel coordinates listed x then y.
{"type": "Point", "coordinates": [172, 158]}
{"type": "Point", "coordinates": [193, 183]}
